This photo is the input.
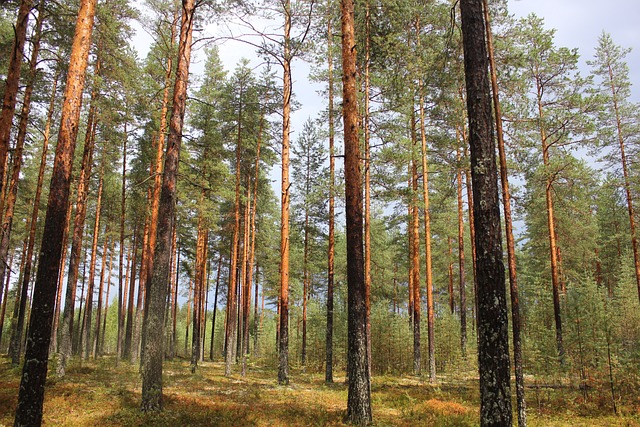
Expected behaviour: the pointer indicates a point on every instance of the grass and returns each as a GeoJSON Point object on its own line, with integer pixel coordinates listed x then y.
{"type": "Point", "coordinates": [99, 393]}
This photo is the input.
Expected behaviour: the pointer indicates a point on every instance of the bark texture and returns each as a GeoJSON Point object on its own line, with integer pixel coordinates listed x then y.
{"type": "Point", "coordinates": [328, 377]}
{"type": "Point", "coordinates": [153, 326]}
{"type": "Point", "coordinates": [359, 394]}
{"type": "Point", "coordinates": [493, 340]}
{"type": "Point", "coordinates": [511, 252]}
{"type": "Point", "coordinates": [12, 84]}
{"type": "Point", "coordinates": [34, 373]}
{"type": "Point", "coordinates": [283, 345]}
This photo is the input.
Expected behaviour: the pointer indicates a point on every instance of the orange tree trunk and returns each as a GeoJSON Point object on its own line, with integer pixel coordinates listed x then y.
{"type": "Point", "coordinates": [283, 345]}
{"type": "Point", "coordinates": [427, 241]}
{"type": "Point", "coordinates": [12, 85]}
{"type": "Point", "coordinates": [66, 334]}
{"type": "Point", "coordinates": [34, 372]}
{"type": "Point", "coordinates": [415, 251]}
{"type": "Point", "coordinates": [10, 201]}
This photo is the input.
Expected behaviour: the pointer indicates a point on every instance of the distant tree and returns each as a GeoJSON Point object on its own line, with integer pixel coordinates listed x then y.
{"type": "Point", "coordinates": [308, 170]}
{"type": "Point", "coordinates": [618, 122]}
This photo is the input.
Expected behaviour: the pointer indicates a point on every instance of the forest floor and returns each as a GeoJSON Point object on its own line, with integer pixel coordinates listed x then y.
{"type": "Point", "coordinates": [101, 394]}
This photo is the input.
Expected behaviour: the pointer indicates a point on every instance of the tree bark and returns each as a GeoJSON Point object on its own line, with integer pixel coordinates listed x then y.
{"type": "Point", "coordinates": [6, 289]}
{"type": "Point", "coordinates": [215, 306]}
{"type": "Point", "coordinates": [128, 332]}
{"type": "Point", "coordinates": [85, 340]}
{"type": "Point", "coordinates": [103, 267]}
{"type": "Point", "coordinates": [10, 198]}
{"type": "Point", "coordinates": [551, 227]}
{"type": "Point", "coordinates": [31, 394]}
{"type": "Point", "coordinates": [427, 242]}
{"type": "Point", "coordinates": [199, 283]}
{"type": "Point", "coordinates": [367, 183]}
{"type": "Point", "coordinates": [67, 332]}
{"type": "Point", "coordinates": [156, 170]}
{"type": "Point", "coordinates": [283, 345]}
{"type": "Point", "coordinates": [461, 262]}
{"type": "Point", "coordinates": [12, 85]}
{"type": "Point", "coordinates": [415, 249]}
{"type": "Point", "coordinates": [100, 337]}
{"type": "Point", "coordinates": [332, 241]}
{"type": "Point", "coordinates": [231, 325]}
{"type": "Point", "coordinates": [153, 339]}
{"type": "Point", "coordinates": [122, 294]}
{"type": "Point", "coordinates": [493, 340]}
{"type": "Point", "coordinates": [359, 394]}
{"type": "Point", "coordinates": [511, 252]}
{"type": "Point", "coordinates": [27, 260]}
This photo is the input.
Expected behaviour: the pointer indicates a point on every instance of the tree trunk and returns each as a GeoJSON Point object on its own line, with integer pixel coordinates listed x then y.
{"type": "Point", "coordinates": [199, 283]}
{"type": "Point", "coordinates": [188, 319]}
{"type": "Point", "coordinates": [103, 267]}
{"type": "Point", "coordinates": [174, 304]}
{"type": "Point", "coordinates": [31, 394]}
{"type": "Point", "coordinates": [367, 183]}
{"type": "Point", "coordinates": [415, 249]}
{"type": "Point", "coordinates": [156, 170]}
{"type": "Point", "coordinates": [128, 333]}
{"type": "Point", "coordinates": [10, 198]}
{"type": "Point", "coordinates": [331, 244]}
{"type": "Point", "coordinates": [27, 260]}
{"type": "Point", "coordinates": [141, 296]}
{"type": "Point", "coordinates": [17, 323]}
{"type": "Point", "coordinates": [153, 331]}
{"type": "Point", "coordinates": [246, 286]}
{"type": "Point", "coordinates": [215, 307]}
{"type": "Point", "coordinates": [551, 226]}
{"type": "Point", "coordinates": [85, 340]}
{"type": "Point", "coordinates": [452, 306]}
{"type": "Point", "coordinates": [283, 366]}
{"type": "Point", "coordinates": [493, 340]}
{"type": "Point", "coordinates": [56, 318]}
{"type": "Point", "coordinates": [511, 252]}
{"type": "Point", "coordinates": [6, 289]}
{"type": "Point", "coordinates": [12, 85]}
{"type": "Point", "coordinates": [252, 250]}
{"type": "Point", "coordinates": [67, 332]}
{"type": "Point", "coordinates": [231, 325]}
{"type": "Point", "coordinates": [359, 394]}
{"type": "Point", "coordinates": [461, 261]}
{"type": "Point", "coordinates": [100, 342]}
{"type": "Point", "coordinates": [427, 240]}
{"type": "Point", "coordinates": [122, 294]}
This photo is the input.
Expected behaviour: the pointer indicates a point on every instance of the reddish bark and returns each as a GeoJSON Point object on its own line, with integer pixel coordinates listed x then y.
{"type": "Point", "coordinates": [31, 395]}
{"type": "Point", "coordinates": [12, 85]}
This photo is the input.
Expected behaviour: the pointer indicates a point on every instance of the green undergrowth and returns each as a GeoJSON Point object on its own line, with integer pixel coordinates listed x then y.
{"type": "Point", "coordinates": [103, 394]}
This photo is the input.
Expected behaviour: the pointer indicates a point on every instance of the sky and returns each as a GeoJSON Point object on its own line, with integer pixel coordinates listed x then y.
{"type": "Point", "coordinates": [579, 23]}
